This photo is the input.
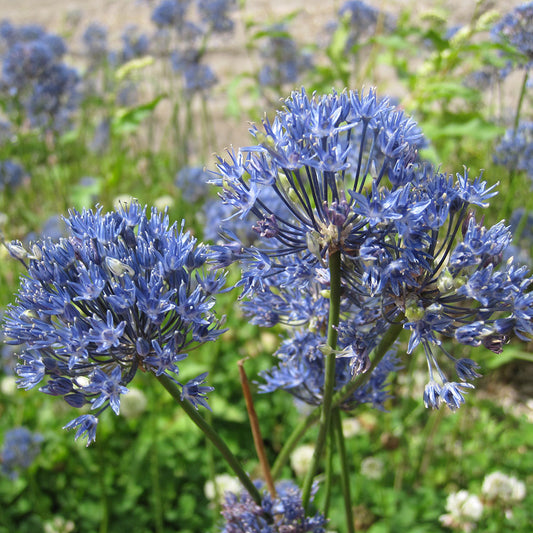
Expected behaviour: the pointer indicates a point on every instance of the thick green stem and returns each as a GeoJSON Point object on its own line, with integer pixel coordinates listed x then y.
{"type": "Point", "coordinates": [329, 378]}
{"type": "Point", "coordinates": [213, 436]}
{"type": "Point", "coordinates": [329, 472]}
{"type": "Point", "coordinates": [345, 471]}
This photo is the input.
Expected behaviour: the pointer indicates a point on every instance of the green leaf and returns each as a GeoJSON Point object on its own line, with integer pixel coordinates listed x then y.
{"type": "Point", "coordinates": [511, 353]}
{"type": "Point", "coordinates": [128, 120]}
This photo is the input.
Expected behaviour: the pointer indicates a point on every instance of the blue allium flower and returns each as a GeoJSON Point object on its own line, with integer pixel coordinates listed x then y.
{"type": "Point", "coordinates": [95, 41]}
{"type": "Point", "coordinates": [515, 150]}
{"type": "Point", "coordinates": [214, 13]}
{"type": "Point", "coordinates": [301, 372]}
{"type": "Point", "coordinates": [516, 29]}
{"type": "Point", "coordinates": [19, 450]}
{"type": "Point", "coordinates": [283, 513]}
{"type": "Point", "coordinates": [54, 98]}
{"type": "Point", "coordinates": [11, 174]}
{"type": "Point", "coordinates": [192, 183]}
{"type": "Point", "coordinates": [363, 21]}
{"type": "Point", "coordinates": [125, 292]}
{"type": "Point", "coordinates": [33, 75]}
{"type": "Point", "coordinates": [25, 62]}
{"type": "Point", "coordinates": [283, 60]}
{"type": "Point", "coordinates": [345, 168]}
{"type": "Point", "coordinates": [521, 226]}
{"type": "Point", "coordinates": [170, 13]}
{"type": "Point", "coordinates": [198, 78]}
{"type": "Point", "coordinates": [135, 44]}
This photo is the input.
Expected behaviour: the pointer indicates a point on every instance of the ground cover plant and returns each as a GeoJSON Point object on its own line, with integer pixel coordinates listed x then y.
{"type": "Point", "coordinates": [326, 329]}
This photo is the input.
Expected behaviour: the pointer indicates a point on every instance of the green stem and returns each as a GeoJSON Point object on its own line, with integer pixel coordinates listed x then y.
{"type": "Point", "coordinates": [379, 353]}
{"type": "Point", "coordinates": [329, 378]}
{"type": "Point", "coordinates": [301, 429]}
{"type": "Point", "coordinates": [507, 207]}
{"type": "Point", "coordinates": [155, 482]}
{"type": "Point", "coordinates": [520, 101]}
{"type": "Point", "coordinates": [213, 436]}
{"type": "Point", "coordinates": [329, 472]}
{"type": "Point", "coordinates": [345, 469]}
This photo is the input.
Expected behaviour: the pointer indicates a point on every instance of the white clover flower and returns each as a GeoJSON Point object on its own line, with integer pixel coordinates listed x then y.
{"type": "Point", "coordinates": [133, 404]}
{"type": "Point", "coordinates": [464, 510]}
{"type": "Point", "coordinates": [8, 385]}
{"type": "Point", "coordinates": [499, 486]}
{"type": "Point", "coordinates": [222, 483]}
{"type": "Point", "coordinates": [372, 468]}
{"type": "Point", "coordinates": [464, 505]}
{"type": "Point", "coordinates": [59, 525]}
{"type": "Point", "coordinates": [351, 427]}
{"type": "Point", "coordinates": [163, 202]}
{"type": "Point", "coordinates": [301, 459]}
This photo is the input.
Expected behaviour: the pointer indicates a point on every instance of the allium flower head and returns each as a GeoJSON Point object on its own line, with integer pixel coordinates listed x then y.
{"type": "Point", "coordinates": [95, 41]}
{"type": "Point", "coordinates": [516, 29]}
{"type": "Point", "coordinates": [345, 169]}
{"type": "Point", "coordinates": [363, 21]}
{"type": "Point", "coordinates": [20, 448]}
{"type": "Point", "coordinates": [32, 73]}
{"type": "Point", "coordinates": [125, 292]}
{"type": "Point", "coordinates": [215, 13]}
{"type": "Point", "coordinates": [515, 150]}
{"type": "Point", "coordinates": [282, 514]}
{"type": "Point", "coordinates": [11, 174]}
{"type": "Point", "coordinates": [284, 61]}
{"type": "Point", "coordinates": [170, 13]}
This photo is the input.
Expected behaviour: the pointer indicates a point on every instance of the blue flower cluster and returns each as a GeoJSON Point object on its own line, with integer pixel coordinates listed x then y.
{"type": "Point", "coordinates": [363, 21]}
{"type": "Point", "coordinates": [11, 174]}
{"type": "Point", "coordinates": [283, 513]}
{"type": "Point", "coordinates": [521, 226]}
{"type": "Point", "coordinates": [20, 449]}
{"type": "Point", "coordinates": [516, 29]}
{"type": "Point", "coordinates": [33, 73]}
{"type": "Point", "coordinates": [124, 293]}
{"type": "Point", "coordinates": [345, 168]}
{"type": "Point", "coordinates": [186, 35]}
{"type": "Point", "coordinates": [283, 60]}
{"type": "Point", "coordinates": [515, 150]}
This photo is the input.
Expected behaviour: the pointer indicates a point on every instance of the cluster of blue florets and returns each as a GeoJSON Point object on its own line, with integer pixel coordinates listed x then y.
{"type": "Point", "coordinates": [34, 74]}
{"type": "Point", "coordinates": [282, 513]}
{"type": "Point", "coordinates": [124, 293]}
{"type": "Point", "coordinates": [516, 29]}
{"type": "Point", "coordinates": [346, 173]}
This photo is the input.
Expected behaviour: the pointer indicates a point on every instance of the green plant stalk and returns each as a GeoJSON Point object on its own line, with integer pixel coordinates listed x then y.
{"type": "Point", "coordinates": [213, 436]}
{"type": "Point", "coordinates": [345, 469]}
{"type": "Point", "coordinates": [297, 434]}
{"type": "Point", "coordinates": [329, 378]}
{"type": "Point", "coordinates": [520, 101]}
{"type": "Point", "coordinates": [155, 484]}
{"type": "Point", "coordinates": [301, 429]}
{"type": "Point", "coordinates": [329, 472]}
{"type": "Point", "coordinates": [102, 467]}
{"type": "Point", "coordinates": [507, 207]}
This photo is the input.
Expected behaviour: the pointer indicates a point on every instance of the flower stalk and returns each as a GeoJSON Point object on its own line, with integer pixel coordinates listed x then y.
{"type": "Point", "coordinates": [212, 435]}
{"type": "Point", "coordinates": [329, 379]}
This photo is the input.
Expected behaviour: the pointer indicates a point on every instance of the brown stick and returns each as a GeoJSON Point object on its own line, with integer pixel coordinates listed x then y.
{"type": "Point", "coordinates": [256, 431]}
